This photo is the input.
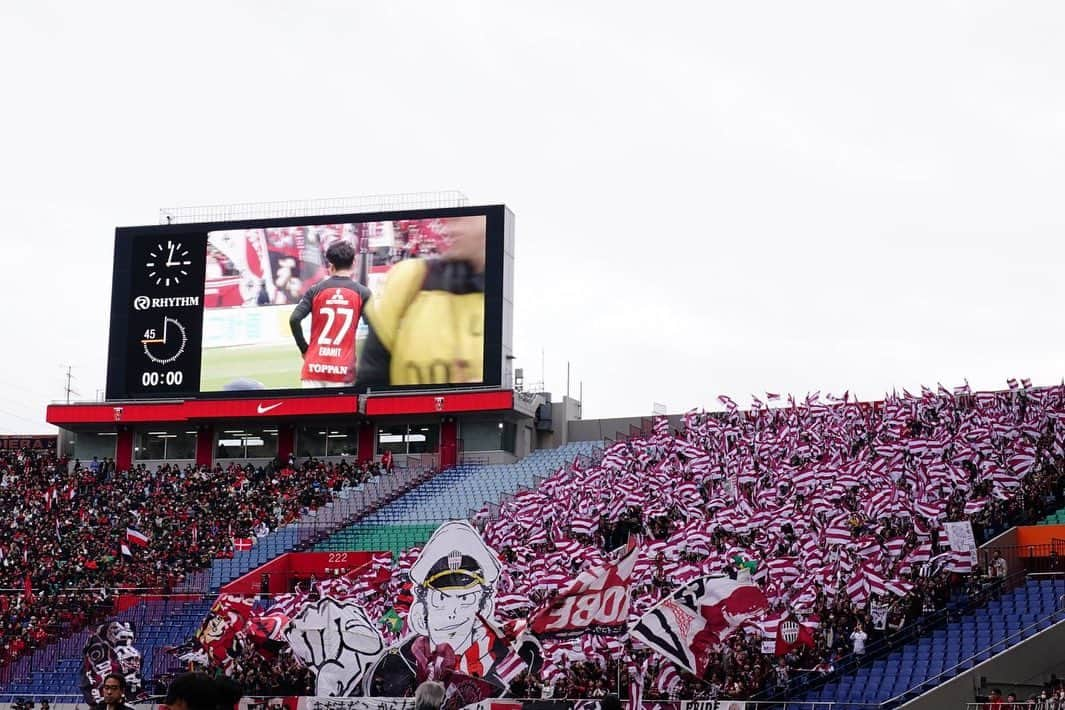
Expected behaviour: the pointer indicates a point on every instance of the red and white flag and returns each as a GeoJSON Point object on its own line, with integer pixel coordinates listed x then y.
{"type": "Point", "coordinates": [243, 544]}
{"type": "Point", "coordinates": [788, 632]}
{"type": "Point", "coordinates": [688, 625]}
{"type": "Point", "coordinates": [597, 601]}
{"type": "Point", "coordinates": [136, 537]}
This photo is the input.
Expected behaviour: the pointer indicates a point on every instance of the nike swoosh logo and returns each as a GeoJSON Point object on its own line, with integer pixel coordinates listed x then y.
{"type": "Point", "coordinates": [263, 410]}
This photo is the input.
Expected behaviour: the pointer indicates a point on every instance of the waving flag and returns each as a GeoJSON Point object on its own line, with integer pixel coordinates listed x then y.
{"type": "Point", "coordinates": [727, 401]}
{"type": "Point", "coordinates": [135, 537]}
{"type": "Point", "coordinates": [787, 632]}
{"type": "Point", "coordinates": [596, 602]}
{"type": "Point", "coordinates": [688, 625]}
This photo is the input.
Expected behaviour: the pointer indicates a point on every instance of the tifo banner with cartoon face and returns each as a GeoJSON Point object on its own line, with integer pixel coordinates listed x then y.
{"type": "Point", "coordinates": [216, 640]}
{"type": "Point", "coordinates": [110, 649]}
{"type": "Point", "coordinates": [376, 633]}
{"type": "Point", "coordinates": [380, 630]}
{"type": "Point", "coordinates": [337, 641]}
{"type": "Point", "coordinates": [452, 634]}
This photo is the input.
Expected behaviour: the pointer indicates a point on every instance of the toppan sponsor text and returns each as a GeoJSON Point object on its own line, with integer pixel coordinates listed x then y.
{"type": "Point", "coordinates": [143, 303]}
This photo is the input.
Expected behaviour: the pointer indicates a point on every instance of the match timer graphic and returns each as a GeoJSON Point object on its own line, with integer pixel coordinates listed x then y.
{"type": "Point", "coordinates": [166, 344]}
{"type": "Point", "coordinates": [168, 263]}
{"type": "Point", "coordinates": [162, 304]}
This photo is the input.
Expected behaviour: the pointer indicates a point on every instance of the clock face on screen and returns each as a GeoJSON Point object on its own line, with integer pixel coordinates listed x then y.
{"type": "Point", "coordinates": [168, 263]}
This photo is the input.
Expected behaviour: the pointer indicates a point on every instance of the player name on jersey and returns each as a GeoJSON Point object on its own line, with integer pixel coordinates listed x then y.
{"type": "Point", "coordinates": [335, 306]}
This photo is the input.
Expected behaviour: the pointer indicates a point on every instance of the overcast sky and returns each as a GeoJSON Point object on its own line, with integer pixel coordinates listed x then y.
{"type": "Point", "coordinates": [710, 197]}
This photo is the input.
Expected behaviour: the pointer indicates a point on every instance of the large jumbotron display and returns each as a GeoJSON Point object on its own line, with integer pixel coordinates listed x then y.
{"type": "Point", "coordinates": [343, 303]}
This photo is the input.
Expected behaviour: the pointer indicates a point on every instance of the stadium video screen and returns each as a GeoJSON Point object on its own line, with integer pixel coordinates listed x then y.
{"type": "Point", "coordinates": [407, 300]}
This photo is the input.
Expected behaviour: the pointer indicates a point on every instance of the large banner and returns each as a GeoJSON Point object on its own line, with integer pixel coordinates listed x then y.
{"type": "Point", "coordinates": [596, 602]}
{"type": "Point", "coordinates": [215, 641]}
{"type": "Point", "coordinates": [693, 621]}
{"type": "Point", "coordinates": [375, 634]}
{"type": "Point", "coordinates": [110, 649]}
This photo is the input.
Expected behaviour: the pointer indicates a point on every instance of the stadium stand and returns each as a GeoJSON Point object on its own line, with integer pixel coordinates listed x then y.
{"type": "Point", "coordinates": [453, 494]}
{"type": "Point", "coordinates": [952, 648]}
{"type": "Point", "coordinates": [1055, 518]}
{"type": "Point", "coordinates": [835, 509]}
{"type": "Point", "coordinates": [56, 669]}
{"type": "Point", "coordinates": [832, 508]}
{"type": "Point", "coordinates": [64, 547]}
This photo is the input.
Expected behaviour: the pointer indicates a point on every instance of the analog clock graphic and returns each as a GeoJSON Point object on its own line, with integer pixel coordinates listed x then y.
{"type": "Point", "coordinates": [166, 344]}
{"type": "Point", "coordinates": [168, 263]}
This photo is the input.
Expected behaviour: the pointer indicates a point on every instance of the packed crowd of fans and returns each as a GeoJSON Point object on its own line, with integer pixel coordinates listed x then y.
{"type": "Point", "coordinates": [835, 510]}
{"type": "Point", "coordinates": [61, 557]}
{"type": "Point", "coordinates": [832, 510]}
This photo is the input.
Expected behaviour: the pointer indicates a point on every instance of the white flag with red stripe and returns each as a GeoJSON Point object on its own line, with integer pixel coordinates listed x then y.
{"type": "Point", "coordinates": [136, 537]}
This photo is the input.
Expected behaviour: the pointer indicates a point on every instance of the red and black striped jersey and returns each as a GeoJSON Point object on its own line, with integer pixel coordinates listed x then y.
{"type": "Point", "coordinates": [335, 306]}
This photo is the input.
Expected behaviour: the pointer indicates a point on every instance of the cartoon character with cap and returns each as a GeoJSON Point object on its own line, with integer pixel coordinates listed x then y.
{"type": "Point", "coordinates": [451, 618]}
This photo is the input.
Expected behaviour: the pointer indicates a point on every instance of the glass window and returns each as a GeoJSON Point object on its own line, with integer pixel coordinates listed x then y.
{"type": "Point", "coordinates": [392, 438]}
{"type": "Point", "coordinates": [89, 444]}
{"type": "Point", "coordinates": [423, 438]}
{"type": "Point", "coordinates": [182, 445]}
{"type": "Point", "coordinates": [149, 446]}
{"type": "Point", "coordinates": [482, 436]}
{"type": "Point", "coordinates": [164, 444]}
{"type": "Point", "coordinates": [247, 443]}
{"type": "Point", "coordinates": [310, 441]}
{"type": "Point", "coordinates": [343, 441]}
{"type": "Point", "coordinates": [413, 439]}
{"type": "Point", "coordinates": [510, 433]}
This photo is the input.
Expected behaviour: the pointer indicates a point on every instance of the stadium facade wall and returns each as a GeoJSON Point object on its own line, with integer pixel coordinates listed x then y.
{"type": "Point", "coordinates": [599, 429]}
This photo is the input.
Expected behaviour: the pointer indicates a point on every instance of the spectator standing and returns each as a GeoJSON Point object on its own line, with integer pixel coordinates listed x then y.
{"type": "Point", "coordinates": [858, 637]}
{"type": "Point", "coordinates": [114, 693]}
{"type": "Point", "coordinates": [998, 567]}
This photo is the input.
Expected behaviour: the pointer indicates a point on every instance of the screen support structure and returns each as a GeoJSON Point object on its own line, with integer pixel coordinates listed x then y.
{"type": "Point", "coordinates": [313, 207]}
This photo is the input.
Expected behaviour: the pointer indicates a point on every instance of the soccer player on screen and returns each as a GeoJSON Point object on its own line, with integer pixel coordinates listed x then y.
{"type": "Point", "coordinates": [335, 305]}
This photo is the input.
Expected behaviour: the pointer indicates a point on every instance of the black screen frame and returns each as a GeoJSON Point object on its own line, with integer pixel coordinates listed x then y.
{"type": "Point", "coordinates": [127, 240]}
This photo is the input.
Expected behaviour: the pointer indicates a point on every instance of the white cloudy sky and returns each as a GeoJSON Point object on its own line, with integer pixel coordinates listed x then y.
{"type": "Point", "coordinates": [711, 196]}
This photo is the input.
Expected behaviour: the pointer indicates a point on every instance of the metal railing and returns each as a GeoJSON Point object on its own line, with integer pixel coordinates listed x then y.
{"type": "Point", "coordinates": [812, 680]}
{"type": "Point", "coordinates": [1046, 557]}
{"type": "Point", "coordinates": [1023, 634]}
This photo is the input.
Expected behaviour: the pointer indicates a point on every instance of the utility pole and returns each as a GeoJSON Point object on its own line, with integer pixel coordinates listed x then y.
{"type": "Point", "coordinates": [69, 390]}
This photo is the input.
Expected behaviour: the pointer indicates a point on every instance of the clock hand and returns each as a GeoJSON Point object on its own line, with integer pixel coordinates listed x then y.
{"type": "Point", "coordinates": [170, 259]}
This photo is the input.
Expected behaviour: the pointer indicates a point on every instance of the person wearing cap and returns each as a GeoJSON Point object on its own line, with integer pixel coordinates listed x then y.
{"type": "Point", "coordinates": [453, 583]}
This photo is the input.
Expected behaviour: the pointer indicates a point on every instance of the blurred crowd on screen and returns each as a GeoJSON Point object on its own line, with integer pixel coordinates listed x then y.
{"type": "Point", "coordinates": [276, 266]}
